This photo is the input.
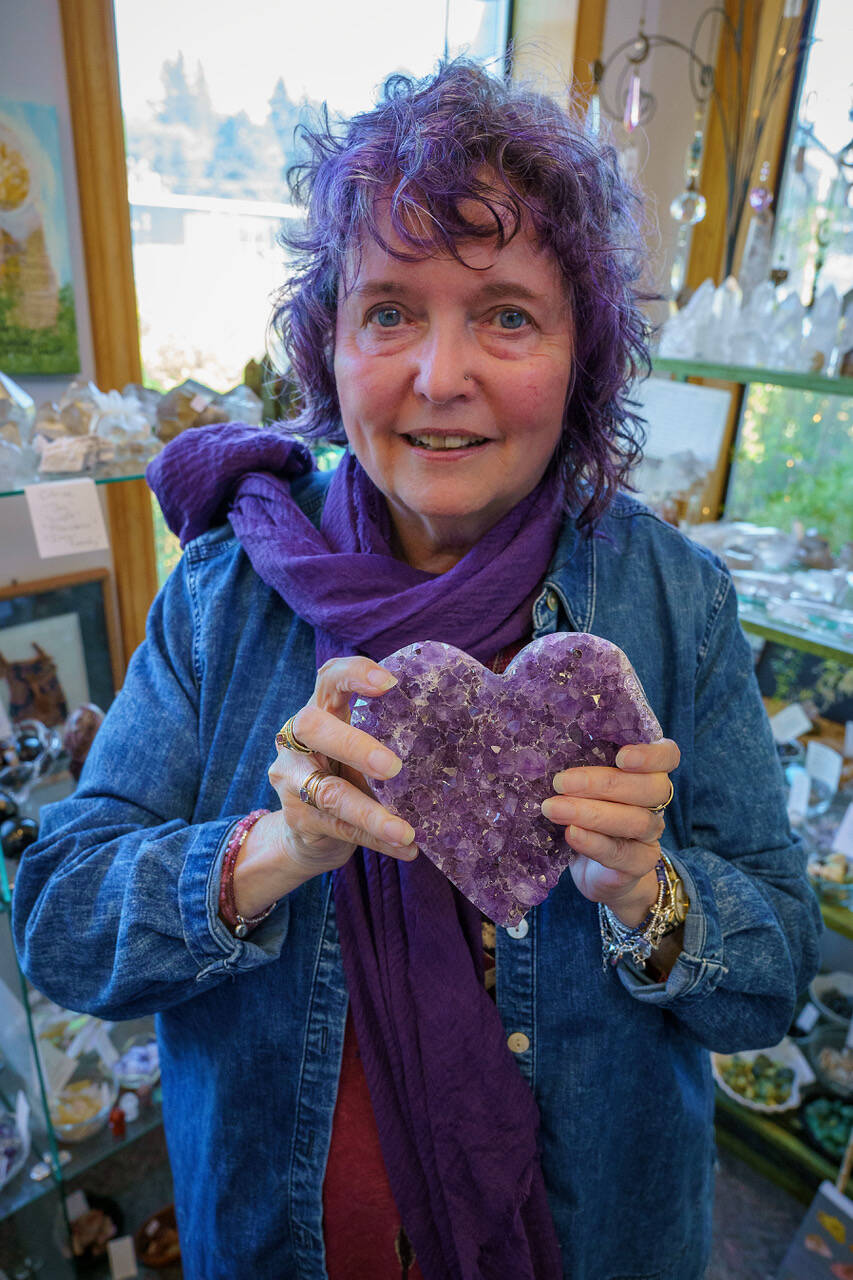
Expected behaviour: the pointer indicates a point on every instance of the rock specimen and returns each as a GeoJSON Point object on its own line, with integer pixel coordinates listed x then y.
{"type": "Point", "coordinates": [480, 752]}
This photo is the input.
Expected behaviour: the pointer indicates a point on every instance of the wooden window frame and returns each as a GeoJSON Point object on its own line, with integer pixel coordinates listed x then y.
{"type": "Point", "coordinates": [91, 62]}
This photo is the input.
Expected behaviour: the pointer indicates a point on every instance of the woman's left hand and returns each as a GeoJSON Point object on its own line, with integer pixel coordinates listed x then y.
{"type": "Point", "coordinates": [607, 813]}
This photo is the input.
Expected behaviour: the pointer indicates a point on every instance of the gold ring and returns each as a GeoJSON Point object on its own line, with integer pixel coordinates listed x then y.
{"type": "Point", "coordinates": [286, 739]}
{"type": "Point", "coordinates": [659, 808]}
{"type": "Point", "coordinates": [308, 790]}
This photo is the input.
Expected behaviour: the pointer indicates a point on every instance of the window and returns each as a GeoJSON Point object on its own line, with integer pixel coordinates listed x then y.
{"type": "Point", "coordinates": [794, 456]}
{"type": "Point", "coordinates": [210, 95]}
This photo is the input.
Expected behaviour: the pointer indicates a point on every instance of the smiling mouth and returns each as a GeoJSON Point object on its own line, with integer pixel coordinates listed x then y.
{"type": "Point", "coordinates": [444, 442]}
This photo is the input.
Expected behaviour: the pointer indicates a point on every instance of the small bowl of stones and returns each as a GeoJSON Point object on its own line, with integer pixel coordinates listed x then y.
{"type": "Point", "coordinates": [766, 1080]}
{"type": "Point", "coordinates": [832, 994]}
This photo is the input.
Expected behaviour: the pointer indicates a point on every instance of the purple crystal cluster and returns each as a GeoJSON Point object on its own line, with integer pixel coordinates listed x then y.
{"type": "Point", "coordinates": [480, 752]}
{"type": "Point", "coordinates": [11, 1148]}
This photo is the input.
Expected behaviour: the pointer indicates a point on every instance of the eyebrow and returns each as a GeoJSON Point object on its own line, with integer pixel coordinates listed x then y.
{"type": "Point", "coordinates": [492, 289]}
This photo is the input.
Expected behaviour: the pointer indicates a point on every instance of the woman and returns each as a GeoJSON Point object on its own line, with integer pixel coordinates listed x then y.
{"type": "Point", "coordinates": [464, 315]}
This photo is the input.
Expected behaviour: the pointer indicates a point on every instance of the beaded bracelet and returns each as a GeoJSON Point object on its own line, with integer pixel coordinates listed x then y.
{"type": "Point", "coordinates": [619, 940]}
{"type": "Point", "coordinates": [239, 925]}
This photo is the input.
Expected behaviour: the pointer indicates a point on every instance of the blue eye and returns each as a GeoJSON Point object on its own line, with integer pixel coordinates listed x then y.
{"type": "Point", "coordinates": [512, 319]}
{"type": "Point", "coordinates": [387, 317]}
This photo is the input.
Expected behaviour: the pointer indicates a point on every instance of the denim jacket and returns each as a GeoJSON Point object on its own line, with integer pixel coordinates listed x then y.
{"type": "Point", "coordinates": [115, 912]}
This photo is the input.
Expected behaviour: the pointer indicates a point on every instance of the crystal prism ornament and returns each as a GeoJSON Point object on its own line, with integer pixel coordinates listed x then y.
{"type": "Point", "coordinates": [480, 752]}
{"type": "Point", "coordinates": [592, 122]}
{"type": "Point", "coordinates": [631, 117]}
{"type": "Point", "coordinates": [690, 207]}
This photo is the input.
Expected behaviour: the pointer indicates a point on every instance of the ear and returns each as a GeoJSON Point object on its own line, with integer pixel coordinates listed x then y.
{"type": "Point", "coordinates": [40, 651]}
{"type": "Point", "coordinates": [4, 666]}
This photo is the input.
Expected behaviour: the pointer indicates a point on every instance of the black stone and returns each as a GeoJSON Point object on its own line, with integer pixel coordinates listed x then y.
{"type": "Point", "coordinates": [8, 806]}
{"type": "Point", "coordinates": [17, 834]}
{"type": "Point", "coordinates": [28, 746]}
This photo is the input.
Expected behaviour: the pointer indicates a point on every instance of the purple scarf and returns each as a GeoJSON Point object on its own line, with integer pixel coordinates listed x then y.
{"type": "Point", "coordinates": [457, 1122]}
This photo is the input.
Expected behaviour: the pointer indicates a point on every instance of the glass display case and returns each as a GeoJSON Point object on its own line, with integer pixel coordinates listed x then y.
{"type": "Point", "coordinates": [62, 1076]}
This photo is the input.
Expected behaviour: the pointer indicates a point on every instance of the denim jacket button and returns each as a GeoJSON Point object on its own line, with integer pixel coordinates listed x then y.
{"type": "Point", "coordinates": [518, 1042]}
{"type": "Point", "coordinates": [519, 930]}
{"type": "Point", "coordinates": [551, 601]}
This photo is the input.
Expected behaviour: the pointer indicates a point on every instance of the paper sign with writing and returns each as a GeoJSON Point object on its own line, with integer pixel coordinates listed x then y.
{"type": "Point", "coordinates": [824, 764]}
{"type": "Point", "coordinates": [789, 723]}
{"type": "Point", "coordinates": [843, 839]}
{"type": "Point", "coordinates": [66, 517]}
{"type": "Point", "coordinates": [122, 1258]}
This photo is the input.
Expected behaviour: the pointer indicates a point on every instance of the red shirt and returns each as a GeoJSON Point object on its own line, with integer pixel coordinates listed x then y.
{"type": "Point", "coordinates": [364, 1237]}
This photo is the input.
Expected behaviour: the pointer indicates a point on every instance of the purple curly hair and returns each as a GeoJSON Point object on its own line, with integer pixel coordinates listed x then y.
{"type": "Point", "coordinates": [434, 146]}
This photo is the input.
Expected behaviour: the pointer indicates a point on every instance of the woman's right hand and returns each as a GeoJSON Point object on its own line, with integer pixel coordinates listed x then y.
{"type": "Point", "coordinates": [284, 849]}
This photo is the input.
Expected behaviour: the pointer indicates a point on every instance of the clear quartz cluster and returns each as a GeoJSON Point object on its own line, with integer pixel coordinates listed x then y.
{"type": "Point", "coordinates": [480, 752]}
{"type": "Point", "coordinates": [729, 326]}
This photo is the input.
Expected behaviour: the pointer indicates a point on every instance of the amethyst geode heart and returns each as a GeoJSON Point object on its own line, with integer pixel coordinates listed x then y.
{"type": "Point", "coordinates": [480, 752]}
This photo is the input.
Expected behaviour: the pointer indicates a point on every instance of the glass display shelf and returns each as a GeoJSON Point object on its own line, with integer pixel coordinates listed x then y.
{"type": "Point", "coordinates": [819, 642]}
{"type": "Point", "coordinates": [682, 369]}
{"type": "Point", "coordinates": [33, 1217]}
{"type": "Point", "coordinates": [6, 492]}
{"type": "Point", "coordinates": [775, 1146]}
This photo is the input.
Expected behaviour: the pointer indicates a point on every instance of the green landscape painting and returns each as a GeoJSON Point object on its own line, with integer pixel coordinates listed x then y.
{"type": "Point", "coordinates": [38, 328]}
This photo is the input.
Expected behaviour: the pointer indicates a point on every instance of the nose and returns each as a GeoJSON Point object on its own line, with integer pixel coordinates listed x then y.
{"type": "Point", "coordinates": [444, 361]}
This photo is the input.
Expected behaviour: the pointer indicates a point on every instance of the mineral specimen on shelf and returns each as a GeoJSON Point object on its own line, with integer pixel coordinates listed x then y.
{"type": "Point", "coordinates": [480, 752]}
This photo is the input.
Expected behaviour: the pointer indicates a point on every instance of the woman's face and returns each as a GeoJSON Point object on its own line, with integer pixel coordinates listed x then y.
{"type": "Point", "coordinates": [452, 384]}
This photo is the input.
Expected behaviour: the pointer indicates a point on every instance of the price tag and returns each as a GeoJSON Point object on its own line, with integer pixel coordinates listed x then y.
{"type": "Point", "coordinates": [843, 839]}
{"type": "Point", "coordinates": [76, 1205]}
{"type": "Point", "coordinates": [122, 1258]}
{"type": "Point", "coordinates": [798, 796]}
{"type": "Point", "coordinates": [809, 1015]}
{"type": "Point", "coordinates": [848, 739]}
{"type": "Point", "coordinates": [22, 1119]}
{"type": "Point", "coordinates": [789, 723]}
{"type": "Point", "coordinates": [824, 765]}
{"type": "Point", "coordinates": [66, 517]}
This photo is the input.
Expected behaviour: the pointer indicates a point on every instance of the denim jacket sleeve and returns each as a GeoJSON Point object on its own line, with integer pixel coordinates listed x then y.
{"type": "Point", "coordinates": [121, 867]}
{"type": "Point", "coordinates": [752, 932]}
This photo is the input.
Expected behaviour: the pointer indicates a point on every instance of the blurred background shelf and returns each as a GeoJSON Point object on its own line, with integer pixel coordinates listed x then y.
{"type": "Point", "coordinates": [745, 374]}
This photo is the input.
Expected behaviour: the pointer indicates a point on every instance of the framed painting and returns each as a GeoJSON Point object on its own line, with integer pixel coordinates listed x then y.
{"type": "Point", "coordinates": [38, 325]}
{"type": "Point", "coordinates": [58, 647]}
{"type": "Point", "coordinates": [688, 433]}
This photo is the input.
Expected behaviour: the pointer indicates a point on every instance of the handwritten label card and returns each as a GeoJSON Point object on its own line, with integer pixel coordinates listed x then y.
{"type": "Point", "coordinates": [789, 723]}
{"type": "Point", "coordinates": [122, 1258]}
{"type": "Point", "coordinates": [843, 839]}
{"type": "Point", "coordinates": [66, 517]}
{"type": "Point", "coordinates": [824, 764]}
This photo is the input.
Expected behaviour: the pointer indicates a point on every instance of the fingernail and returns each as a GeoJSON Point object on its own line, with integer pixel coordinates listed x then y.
{"type": "Point", "coordinates": [570, 783]}
{"type": "Point", "coordinates": [381, 679]}
{"type": "Point", "coordinates": [398, 831]}
{"type": "Point", "coordinates": [383, 763]}
{"type": "Point", "coordinates": [628, 758]}
{"type": "Point", "coordinates": [551, 806]}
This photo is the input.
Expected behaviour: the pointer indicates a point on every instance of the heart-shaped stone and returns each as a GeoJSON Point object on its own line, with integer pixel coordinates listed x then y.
{"type": "Point", "coordinates": [480, 752]}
